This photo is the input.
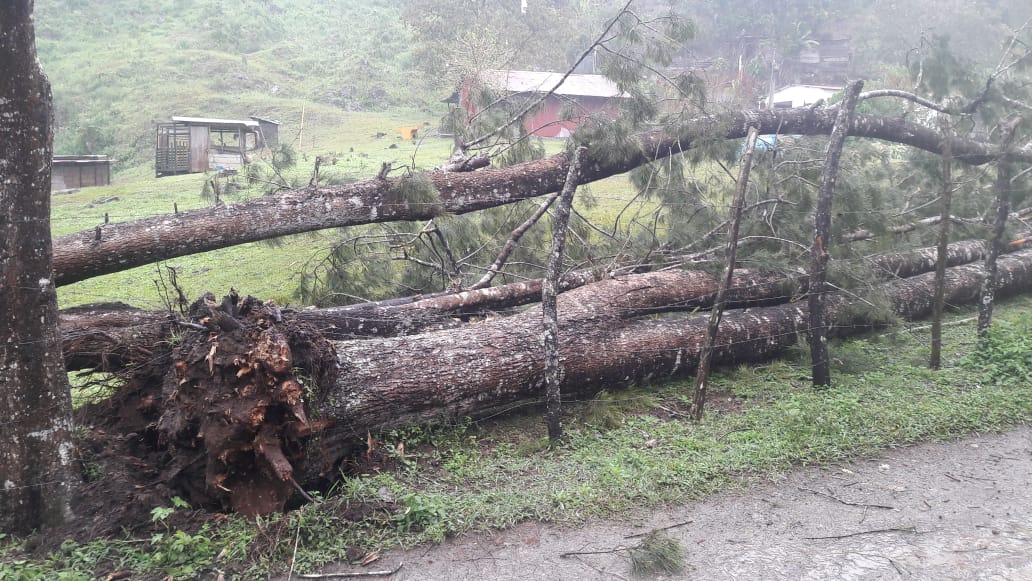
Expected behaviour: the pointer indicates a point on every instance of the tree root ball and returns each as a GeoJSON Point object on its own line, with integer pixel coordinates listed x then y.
{"type": "Point", "coordinates": [239, 401]}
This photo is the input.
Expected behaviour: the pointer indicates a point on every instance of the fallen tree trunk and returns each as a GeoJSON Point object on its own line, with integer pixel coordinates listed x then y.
{"type": "Point", "coordinates": [249, 390]}
{"type": "Point", "coordinates": [237, 391]}
{"type": "Point", "coordinates": [408, 318]}
{"type": "Point", "coordinates": [116, 247]}
{"type": "Point", "coordinates": [109, 337]}
{"type": "Point", "coordinates": [500, 362]}
{"type": "Point", "coordinates": [112, 337]}
{"type": "Point", "coordinates": [921, 260]}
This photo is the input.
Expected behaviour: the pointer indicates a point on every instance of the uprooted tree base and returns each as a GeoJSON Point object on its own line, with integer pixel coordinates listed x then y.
{"type": "Point", "coordinates": [220, 418]}
{"type": "Point", "coordinates": [235, 401]}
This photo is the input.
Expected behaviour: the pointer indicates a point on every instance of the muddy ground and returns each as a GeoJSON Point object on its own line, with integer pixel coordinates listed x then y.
{"type": "Point", "coordinates": [958, 510]}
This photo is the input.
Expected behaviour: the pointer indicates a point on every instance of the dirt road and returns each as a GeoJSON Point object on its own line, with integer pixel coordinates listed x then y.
{"type": "Point", "coordinates": [958, 510]}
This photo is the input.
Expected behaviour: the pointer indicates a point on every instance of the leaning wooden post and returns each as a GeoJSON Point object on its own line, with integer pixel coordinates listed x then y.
{"type": "Point", "coordinates": [737, 205]}
{"type": "Point", "coordinates": [549, 288]}
{"type": "Point", "coordinates": [1004, 172]}
{"type": "Point", "coordinates": [822, 238]}
{"type": "Point", "coordinates": [938, 302]}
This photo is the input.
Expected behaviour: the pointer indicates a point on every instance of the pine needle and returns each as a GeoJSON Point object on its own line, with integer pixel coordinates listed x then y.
{"type": "Point", "coordinates": [658, 552]}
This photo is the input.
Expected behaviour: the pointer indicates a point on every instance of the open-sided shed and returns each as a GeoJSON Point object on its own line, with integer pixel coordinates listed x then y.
{"type": "Point", "coordinates": [199, 144]}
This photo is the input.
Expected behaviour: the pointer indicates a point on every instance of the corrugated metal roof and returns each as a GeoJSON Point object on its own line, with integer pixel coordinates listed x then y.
{"type": "Point", "coordinates": [81, 158]}
{"type": "Point", "coordinates": [542, 82]}
{"type": "Point", "coordinates": [86, 161]}
{"type": "Point", "coordinates": [208, 121]}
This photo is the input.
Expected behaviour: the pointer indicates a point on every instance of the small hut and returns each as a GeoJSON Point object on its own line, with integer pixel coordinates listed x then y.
{"type": "Point", "coordinates": [80, 171]}
{"type": "Point", "coordinates": [199, 144]}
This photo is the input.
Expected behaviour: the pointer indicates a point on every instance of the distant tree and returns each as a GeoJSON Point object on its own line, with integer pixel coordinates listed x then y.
{"type": "Point", "coordinates": [454, 39]}
{"type": "Point", "coordinates": [36, 458]}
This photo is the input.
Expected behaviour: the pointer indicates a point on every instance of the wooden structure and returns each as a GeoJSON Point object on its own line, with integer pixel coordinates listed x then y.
{"type": "Point", "coordinates": [826, 60]}
{"type": "Point", "coordinates": [80, 171]}
{"type": "Point", "coordinates": [198, 144]}
{"type": "Point", "coordinates": [585, 94]}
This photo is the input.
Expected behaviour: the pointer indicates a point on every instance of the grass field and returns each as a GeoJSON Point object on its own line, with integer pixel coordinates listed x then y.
{"type": "Point", "coordinates": [263, 269]}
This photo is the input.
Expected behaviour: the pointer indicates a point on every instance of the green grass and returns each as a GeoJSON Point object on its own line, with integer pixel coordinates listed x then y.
{"type": "Point", "coordinates": [266, 270]}
{"type": "Point", "coordinates": [263, 269]}
{"type": "Point", "coordinates": [622, 453]}
{"type": "Point", "coordinates": [117, 67]}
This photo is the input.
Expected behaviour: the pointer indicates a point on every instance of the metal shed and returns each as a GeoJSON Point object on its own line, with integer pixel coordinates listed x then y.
{"type": "Point", "coordinates": [200, 144]}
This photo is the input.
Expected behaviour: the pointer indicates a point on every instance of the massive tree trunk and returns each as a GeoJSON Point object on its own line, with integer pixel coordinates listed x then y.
{"type": "Point", "coordinates": [237, 393]}
{"type": "Point", "coordinates": [36, 456]}
{"type": "Point", "coordinates": [493, 363]}
{"type": "Point", "coordinates": [122, 246]}
{"type": "Point", "coordinates": [110, 337]}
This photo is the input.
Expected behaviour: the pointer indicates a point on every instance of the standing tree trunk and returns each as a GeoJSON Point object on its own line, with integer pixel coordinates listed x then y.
{"type": "Point", "coordinates": [1004, 172]}
{"type": "Point", "coordinates": [549, 311]}
{"type": "Point", "coordinates": [994, 245]}
{"type": "Point", "coordinates": [36, 457]}
{"type": "Point", "coordinates": [822, 238]}
{"type": "Point", "coordinates": [706, 357]}
{"type": "Point", "coordinates": [935, 359]}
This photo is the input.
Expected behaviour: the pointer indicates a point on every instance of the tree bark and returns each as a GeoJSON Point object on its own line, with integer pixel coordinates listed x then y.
{"type": "Point", "coordinates": [935, 357]}
{"type": "Point", "coordinates": [995, 245]}
{"type": "Point", "coordinates": [737, 206]}
{"type": "Point", "coordinates": [126, 245]}
{"type": "Point", "coordinates": [264, 403]}
{"type": "Point", "coordinates": [549, 292]}
{"type": "Point", "coordinates": [921, 260]}
{"type": "Point", "coordinates": [492, 364]}
{"type": "Point", "coordinates": [822, 237]}
{"type": "Point", "coordinates": [37, 475]}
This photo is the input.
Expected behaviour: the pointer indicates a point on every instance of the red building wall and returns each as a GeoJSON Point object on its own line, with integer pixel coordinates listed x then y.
{"type": "Point", "coordinates": [545, 121]}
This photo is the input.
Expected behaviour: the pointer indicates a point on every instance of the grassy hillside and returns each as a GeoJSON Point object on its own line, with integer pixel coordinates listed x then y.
{"type": "Point", "coordinates": [119, 66]}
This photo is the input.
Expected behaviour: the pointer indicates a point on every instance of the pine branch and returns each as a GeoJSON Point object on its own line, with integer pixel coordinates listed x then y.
{"type": "Point", "coordinates": [510, 244]}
